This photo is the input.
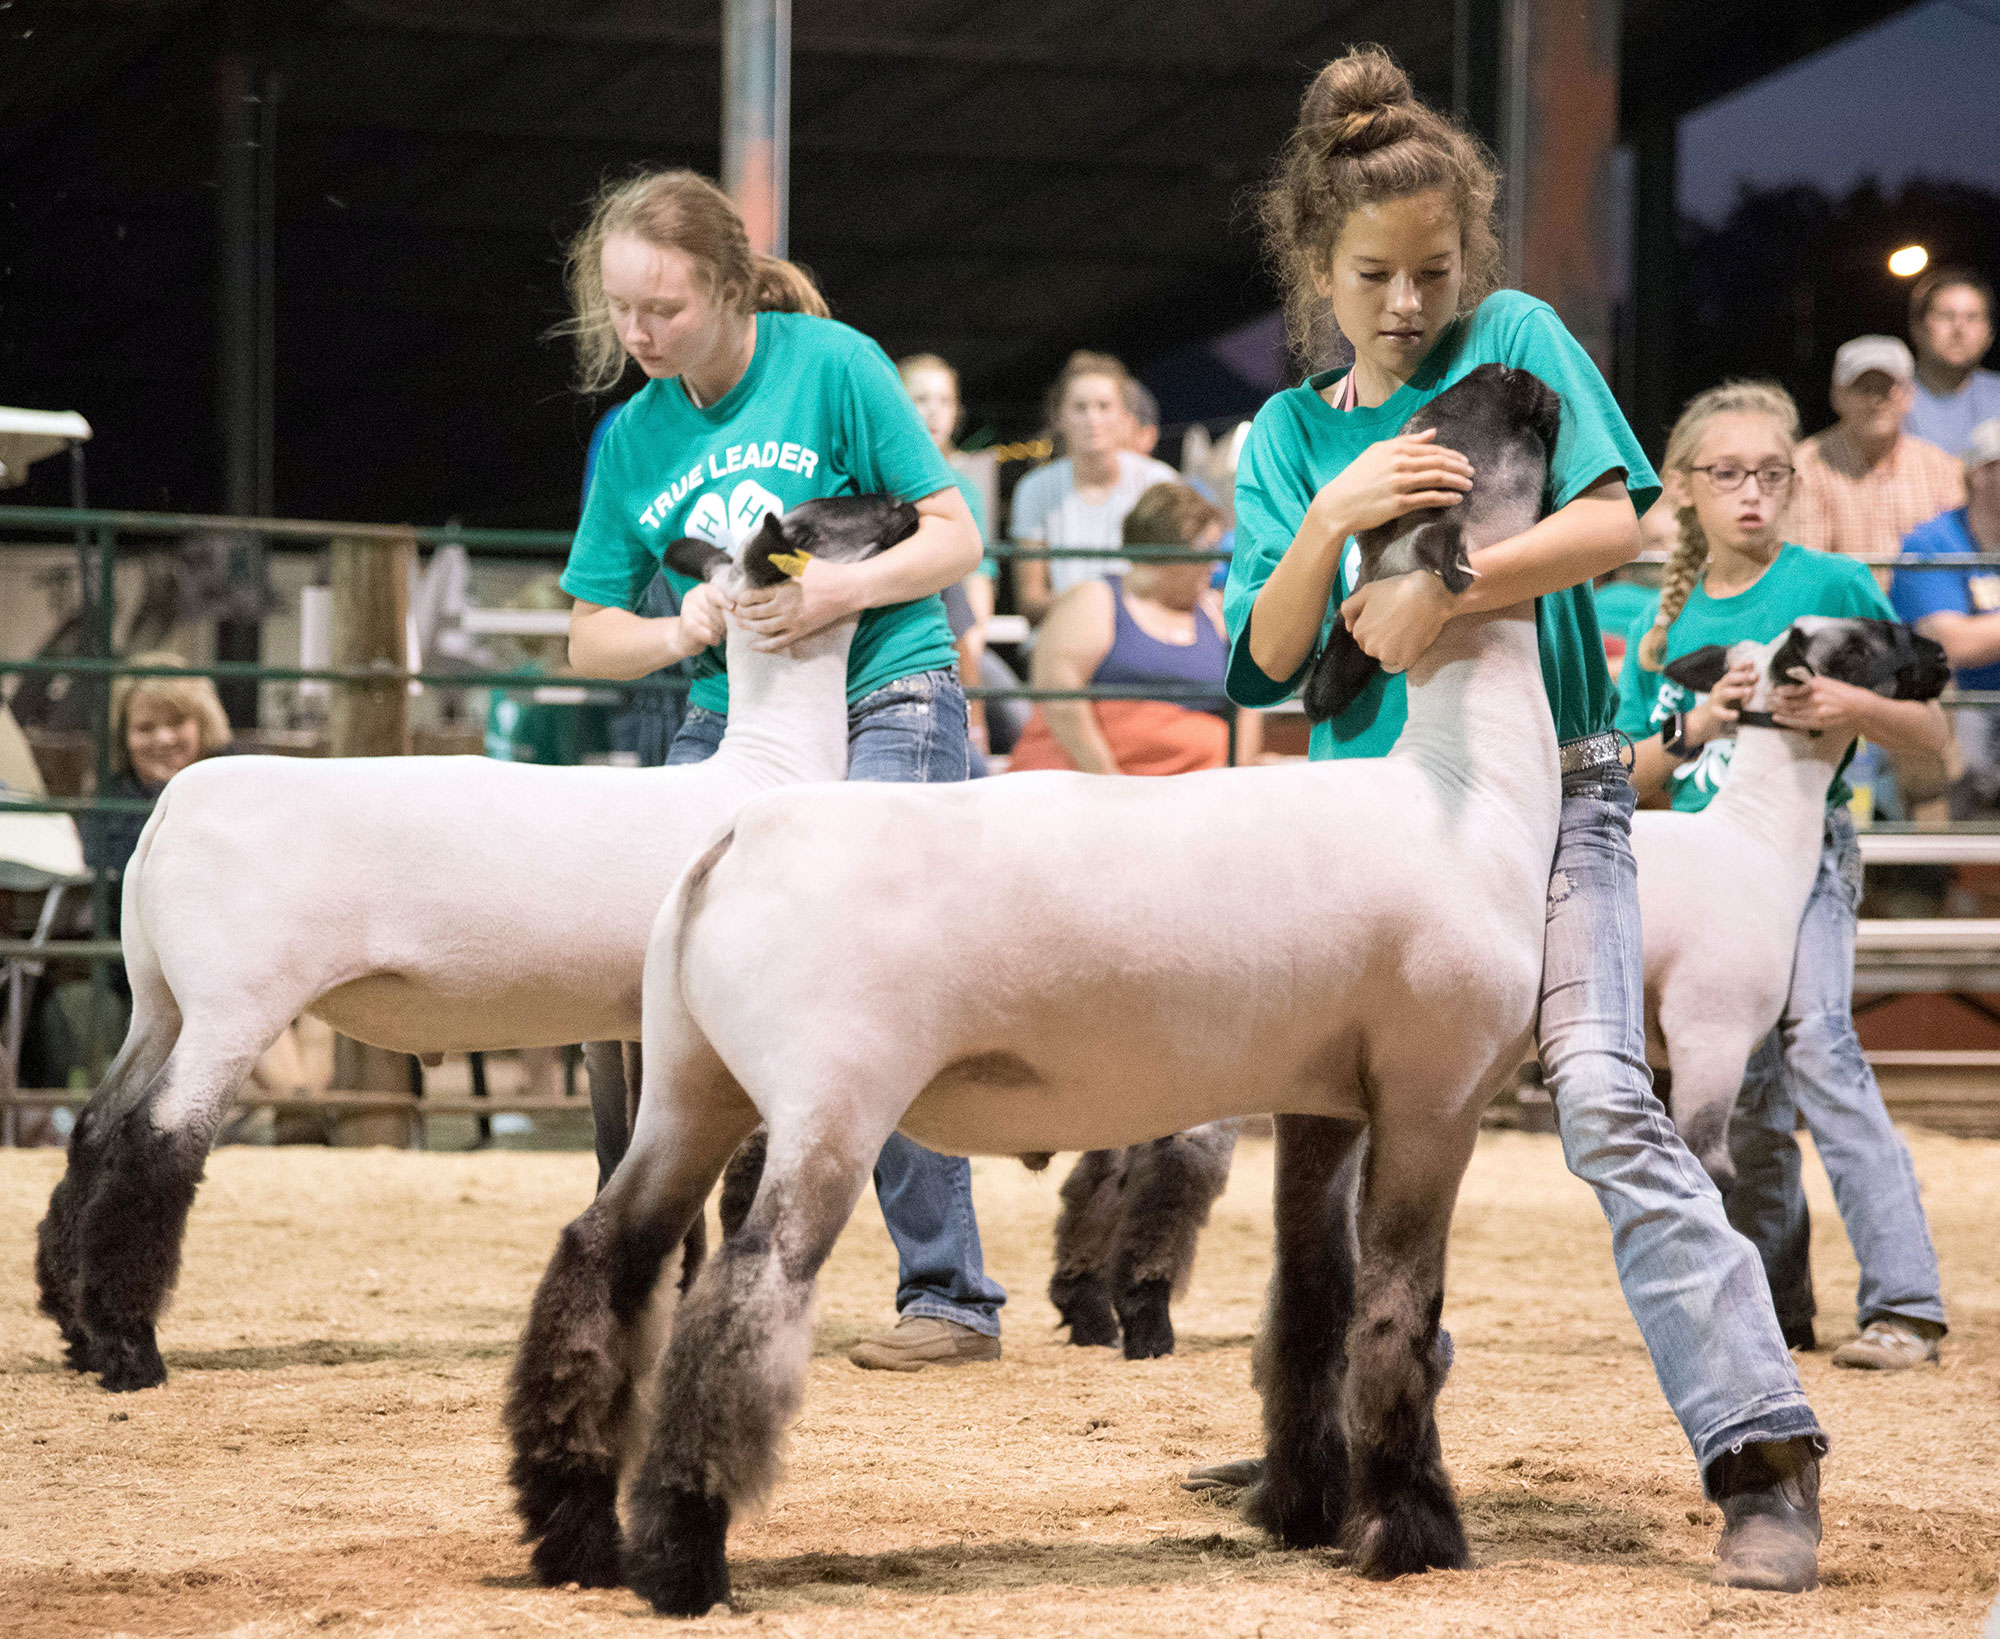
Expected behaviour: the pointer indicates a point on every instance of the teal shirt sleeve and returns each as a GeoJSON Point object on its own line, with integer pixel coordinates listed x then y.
{"type": "Point", "coordinates": [975, 503]}
{"type": "Point", "coordinates": [1594, 437]}
{"type": "Point", "coordinates": [1271, 501]}
{"type": "Point", "coordinates": [610, 562]}
{"type": "Point", "coordinates": [884, 444]}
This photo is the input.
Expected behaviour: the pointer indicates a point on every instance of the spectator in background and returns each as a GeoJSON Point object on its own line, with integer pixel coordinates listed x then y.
{"type": "Point", "coordinates": [932, 385]}
{"type": "Point", "coordinates": [1951, 323]}
{"type": "Point", "coordinates": [1865, 483]}
{"type": "Point", "coordinates": [1080, 499]}
{"type": "Point", "coordinates": [159, 726]}
{"type": "Point", "coordinates": [1961, 609]}
{"type": "Point", "coordinates": [529, 725]}
{"type": "Point", "coordinates": [1159, 623]}
{"type": "Point", "coordinates": [1143, 438]}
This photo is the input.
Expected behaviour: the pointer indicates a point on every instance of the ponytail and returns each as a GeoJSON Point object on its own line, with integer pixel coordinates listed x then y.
{"type": "Point", "coordinates": [1690, 555]}
{"type": "Point", "coordinates": [779, 286]}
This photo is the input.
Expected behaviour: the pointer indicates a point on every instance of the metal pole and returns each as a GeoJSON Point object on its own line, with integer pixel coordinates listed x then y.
{"type": "Point", "coordinates": [757, 117]}
{"type": "Point", "coordinates": [245, 129]}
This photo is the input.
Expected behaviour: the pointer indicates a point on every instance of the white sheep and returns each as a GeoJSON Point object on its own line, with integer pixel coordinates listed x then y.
{"type": "Point", "coordinates": [1715, 989]}
{"type": "Point", "coordinates": [427, 905]}
{"type": "Point", "coordinates": [1057, 961]}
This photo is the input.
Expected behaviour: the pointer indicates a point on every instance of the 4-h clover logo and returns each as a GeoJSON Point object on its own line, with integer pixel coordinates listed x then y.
{"type": "Point", "coordinates": [729, 526]}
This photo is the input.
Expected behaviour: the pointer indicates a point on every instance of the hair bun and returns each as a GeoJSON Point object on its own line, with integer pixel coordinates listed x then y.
{"type": "Point", "coordinates": [1358, 103]}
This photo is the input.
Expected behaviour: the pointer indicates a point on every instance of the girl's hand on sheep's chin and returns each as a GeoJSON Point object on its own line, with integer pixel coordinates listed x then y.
{"type": "Point", "coordinates": [778, 616]}
{"type": "Point", "coordinates": [1396, 620]}
{"type": "Point", "coordinates": [1824, 704]}
{"type": "Point", "coordinates": [702, 618]}
{"type": "Point", "coordinates": [1715, 717]}
{"type": "Point", "coordinates": [1392, 477]}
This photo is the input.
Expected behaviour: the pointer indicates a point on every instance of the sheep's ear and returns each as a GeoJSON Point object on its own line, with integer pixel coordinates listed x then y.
{"type": "Point", "coordinates": [1701, 669]}
{"type": "Point", "coordinates": [1790, 664]}
{"type": "Point", "coordinates": [1440, 548]}
{"type": "Point", "coordinates": [1338, 676]}
{"type": "Point", "coordinates": [762, 550]}
{"type": "Point", "coordinates": [695, 559]}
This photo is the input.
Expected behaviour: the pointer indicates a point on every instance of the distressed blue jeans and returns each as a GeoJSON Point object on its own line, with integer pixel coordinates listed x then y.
{"type": "Point", "coordinates": [1694, 1285]}
{"type": "Point", "coordinates": [1811, 1065]}
{"type": "Point", "coordinates": [913, 730]}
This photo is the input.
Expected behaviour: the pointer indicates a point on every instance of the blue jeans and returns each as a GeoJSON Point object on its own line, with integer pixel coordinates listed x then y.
{"type": "Point", "coordinates": [913, 730]}
{"type": "Point", "coordinates": [1694, 1285]}
{"type": "Point", "coordinates": [1811, 1065]}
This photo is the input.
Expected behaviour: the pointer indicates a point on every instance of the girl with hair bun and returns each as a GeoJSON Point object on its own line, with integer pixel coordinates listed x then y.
{"type": "Point", "coordinates": [1380, 220]}
{"type": "Point", "coordinates": [1733, 579]}
{"type": "Point", "coordinates": [755, 402]}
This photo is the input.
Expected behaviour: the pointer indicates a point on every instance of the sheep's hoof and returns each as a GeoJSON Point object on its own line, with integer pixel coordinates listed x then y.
{"type": "Point", "coordinates": [1299, 1510]}
{"type": "Point", "coordinates": [682, 1566]}
{"type": "Point", "coordinates": [576, 1519]}
{"type": "Point", "coordinates": [125, 1364]}
{"type": "Point", "coordinates": [1086, 1310]}
{"type": "Point", "coordinates": [1415, 1530]}
{"type": "Point", "coordinates": [1145, 1317]}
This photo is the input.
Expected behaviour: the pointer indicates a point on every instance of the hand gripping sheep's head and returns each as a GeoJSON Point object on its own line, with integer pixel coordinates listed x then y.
{"type": "Point", "coordinates": [1883, 656]}
{"type": "Point", "coordinates": [840, 529]}
{"type": "Point", "coordinates": [1503, 421]}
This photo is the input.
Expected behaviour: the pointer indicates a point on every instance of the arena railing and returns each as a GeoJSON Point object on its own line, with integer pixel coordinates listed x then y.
{"type": "Point", "coordinates": [99, 536]}
{"type": "Point", "coordinates": [1957, 955]}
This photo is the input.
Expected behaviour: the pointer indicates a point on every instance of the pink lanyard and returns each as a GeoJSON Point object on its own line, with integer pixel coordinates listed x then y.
{"type": "Point", "coordinates": [1343, 398]}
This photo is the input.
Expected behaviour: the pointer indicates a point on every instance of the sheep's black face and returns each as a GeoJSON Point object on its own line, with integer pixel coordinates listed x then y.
{"type": "Point", "coordinates": [1883, 656]}
{"type": "Point", "coordinates": [840, 528]}
{"type": "Point", "coordinates": [1504, 421]}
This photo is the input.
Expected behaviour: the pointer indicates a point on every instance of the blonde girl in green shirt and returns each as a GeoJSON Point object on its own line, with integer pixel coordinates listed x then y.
{"type": "Point", "coordinates": [1380, 219]}
{"type": "Point", "coordinates": [1732, 578]}
{"type": "Point", "coordinates": [756, 400]}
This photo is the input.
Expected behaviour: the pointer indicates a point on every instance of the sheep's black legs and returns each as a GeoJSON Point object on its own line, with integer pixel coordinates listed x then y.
{"type": "Point", "coordinates": [1402, 1516]}
{"type": "Point", "coordinates": [734, 1374]}
{"type": "Point", "coordinates": [109, 1251]}
{"type": "Point", "coordinates": [571, 1390]}
{"type": "Point", "coordinates": [1300, 1358]}
{"type": "Point", "coordinates": [1085, 1233]}
{"type": "Point", "coordinates": [1169, 1186]}
{"type": "Point", "coordinates": [740, 1180]}
{"type": "Point", "coordinates": [613, 1080]}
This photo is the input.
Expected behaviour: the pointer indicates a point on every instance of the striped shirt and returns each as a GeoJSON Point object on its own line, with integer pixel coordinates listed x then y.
{"type": "Point", "coordinates": [1840, 504]}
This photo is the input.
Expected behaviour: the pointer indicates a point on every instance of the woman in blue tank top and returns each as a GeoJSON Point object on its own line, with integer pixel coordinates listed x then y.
{"type": "Point", "coordinates": [1159, 625]}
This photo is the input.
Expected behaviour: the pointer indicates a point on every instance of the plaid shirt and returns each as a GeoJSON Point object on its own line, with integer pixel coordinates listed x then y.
{"type": "Point", "coordinates": [1839, 504]}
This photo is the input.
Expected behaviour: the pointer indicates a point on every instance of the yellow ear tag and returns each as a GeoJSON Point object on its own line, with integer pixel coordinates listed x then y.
{"type": "Point", "coordinates": [792, 563]}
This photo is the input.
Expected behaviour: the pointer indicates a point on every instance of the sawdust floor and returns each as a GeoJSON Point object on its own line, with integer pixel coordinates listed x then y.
{"type": "Point", "coordinates": [328, 1458]}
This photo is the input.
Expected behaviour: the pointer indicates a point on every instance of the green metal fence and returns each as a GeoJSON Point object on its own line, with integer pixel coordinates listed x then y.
{"type": "Point", "coordinates": [98, 536]}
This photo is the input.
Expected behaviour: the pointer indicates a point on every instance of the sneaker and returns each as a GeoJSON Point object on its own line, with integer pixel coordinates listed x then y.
{"type": "Point", "coordinates": [923, 1340]}
{"type": "Point", "coordinates": [1888, 1345]}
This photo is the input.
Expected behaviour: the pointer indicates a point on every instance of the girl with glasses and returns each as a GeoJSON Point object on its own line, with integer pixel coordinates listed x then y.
{"type": "Point", "coordinates": [1732, 578]}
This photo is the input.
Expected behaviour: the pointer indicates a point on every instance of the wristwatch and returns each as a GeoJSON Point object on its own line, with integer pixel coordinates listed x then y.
{"type": "Point", "coordinates": [1673, 738]}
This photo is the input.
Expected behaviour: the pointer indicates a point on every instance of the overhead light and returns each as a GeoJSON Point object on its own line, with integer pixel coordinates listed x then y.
{"type": "Point", "coordinates": [1908, 262]}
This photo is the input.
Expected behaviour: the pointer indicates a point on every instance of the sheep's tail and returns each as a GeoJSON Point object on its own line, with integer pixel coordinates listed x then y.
{"type": "Point", "coordinates": [688, 895]}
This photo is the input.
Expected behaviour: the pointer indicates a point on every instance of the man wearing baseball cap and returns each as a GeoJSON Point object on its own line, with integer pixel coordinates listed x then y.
{"type": "Point", "coordinates": [1961, 609]}
{"type": "Point", "coordinates": [1864, 483]}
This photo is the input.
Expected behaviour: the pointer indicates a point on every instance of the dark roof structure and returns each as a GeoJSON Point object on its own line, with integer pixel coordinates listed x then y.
{"type": "Point", "coordinates": [997, 183]}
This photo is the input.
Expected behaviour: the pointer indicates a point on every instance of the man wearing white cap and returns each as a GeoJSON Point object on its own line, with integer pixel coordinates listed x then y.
{"type": "Point", "coordinates": [1864, 483]}
{"type": "Point", "coordinates": [1961, 609]}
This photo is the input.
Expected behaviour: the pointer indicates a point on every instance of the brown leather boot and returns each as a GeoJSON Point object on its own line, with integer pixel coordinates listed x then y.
{"type": "Point", "coordinates": [923, 1340]}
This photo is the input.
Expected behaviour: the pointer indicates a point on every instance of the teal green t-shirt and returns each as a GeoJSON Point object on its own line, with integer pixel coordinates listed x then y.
{"type": "Point", "coordinates": [1797, 583]}
{"type": "Point", "coordinates": [1619, 603]}
{"type": "Point", "coordinates": [1299, 442]}
{"type": "Point", "coordinates": [819, 412]}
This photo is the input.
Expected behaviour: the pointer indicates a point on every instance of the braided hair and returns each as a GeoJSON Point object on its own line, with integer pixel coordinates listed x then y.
{"type": "Point", "coordinates": [1690, 555]}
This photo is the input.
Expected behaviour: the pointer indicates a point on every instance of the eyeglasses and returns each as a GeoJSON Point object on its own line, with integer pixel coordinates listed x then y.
{"type": "Point", "coordinates": [1725, 477]}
